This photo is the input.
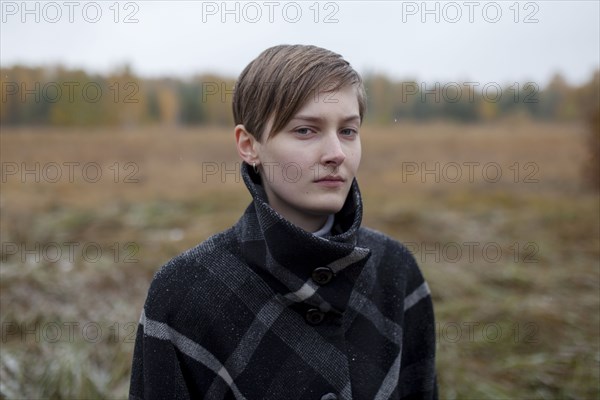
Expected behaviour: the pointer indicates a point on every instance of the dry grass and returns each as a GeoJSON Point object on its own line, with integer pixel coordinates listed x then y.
{"type": "Point", "coordinates": [521, 325]}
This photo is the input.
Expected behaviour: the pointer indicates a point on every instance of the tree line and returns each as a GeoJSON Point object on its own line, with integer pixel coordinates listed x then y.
{"type": "Point", "coordinates": [56, 96]}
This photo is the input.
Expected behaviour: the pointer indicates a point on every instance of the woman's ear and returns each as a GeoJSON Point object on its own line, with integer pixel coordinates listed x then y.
{"type": "Point", "coordinates": [246, 145]}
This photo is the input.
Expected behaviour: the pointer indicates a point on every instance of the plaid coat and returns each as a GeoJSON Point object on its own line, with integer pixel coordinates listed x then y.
{"type": "Point", "coordinates": [266, 310]}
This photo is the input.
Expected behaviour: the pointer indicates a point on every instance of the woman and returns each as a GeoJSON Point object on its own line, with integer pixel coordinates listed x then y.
{"type": "Point", "coordinates": [296, 300]}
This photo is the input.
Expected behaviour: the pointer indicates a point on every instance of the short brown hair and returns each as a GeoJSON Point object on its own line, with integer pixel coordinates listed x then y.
{"type": "Point", "coordinates": [280, 81]}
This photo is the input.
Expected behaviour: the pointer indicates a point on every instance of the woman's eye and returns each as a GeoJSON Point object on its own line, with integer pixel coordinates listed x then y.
{"type": "Point", "coordinates": [349, 132]}
{"type": "Point", "coordinates": [304, 131]}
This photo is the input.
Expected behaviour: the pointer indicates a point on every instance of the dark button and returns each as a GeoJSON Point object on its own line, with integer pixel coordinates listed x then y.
{"type": "Point", "coordinates": [314, 316]}
{"type": "Point", "coordinates": [329, 396]}
{"type": "Point", "coordinates": [322, 275]}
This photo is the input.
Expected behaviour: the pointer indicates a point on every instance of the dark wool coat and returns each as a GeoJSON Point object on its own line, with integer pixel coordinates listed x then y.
{"type": "Point", "coordinates": [266, 310]}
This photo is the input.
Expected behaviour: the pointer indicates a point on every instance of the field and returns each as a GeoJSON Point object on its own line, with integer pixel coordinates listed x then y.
{"type": "Point", "coordinates": [496, 215]}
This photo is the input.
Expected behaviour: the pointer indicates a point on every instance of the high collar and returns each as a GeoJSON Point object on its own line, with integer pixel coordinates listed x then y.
{"type": "Point", "coordinates": [287, 254]}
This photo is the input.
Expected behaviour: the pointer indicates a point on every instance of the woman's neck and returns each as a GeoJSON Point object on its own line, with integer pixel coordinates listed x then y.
{"type": "Point", "coordinates": [326, 228]}
{"type": "Point", "coordinates": [308, 223]}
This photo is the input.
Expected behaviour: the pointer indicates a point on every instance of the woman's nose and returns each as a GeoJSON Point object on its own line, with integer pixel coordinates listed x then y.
{"type": "Point", "coordinates": [333, 153]}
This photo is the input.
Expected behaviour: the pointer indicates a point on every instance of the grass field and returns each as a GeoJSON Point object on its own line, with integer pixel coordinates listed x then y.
{"type": "Point", "coordinates": [496, 215]}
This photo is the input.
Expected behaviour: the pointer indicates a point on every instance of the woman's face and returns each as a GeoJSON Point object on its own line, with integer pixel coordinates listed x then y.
{"type": "Point", "coordinates": [307, 168]}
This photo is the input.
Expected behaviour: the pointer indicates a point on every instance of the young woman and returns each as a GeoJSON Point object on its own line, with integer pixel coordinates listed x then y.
{"type": "Point", "coordinates": [296, 300]}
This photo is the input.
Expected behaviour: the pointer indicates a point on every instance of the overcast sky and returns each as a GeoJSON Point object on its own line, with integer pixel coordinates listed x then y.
{"type": "Point", "coordinates": [479, 41]}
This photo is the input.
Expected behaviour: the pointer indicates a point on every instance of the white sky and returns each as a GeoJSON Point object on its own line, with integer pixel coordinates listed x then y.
{"type": "Point", "coordinates": [182, 38]}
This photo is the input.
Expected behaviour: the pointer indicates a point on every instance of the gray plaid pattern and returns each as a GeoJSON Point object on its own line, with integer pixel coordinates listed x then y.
{"type": "Point", "coordinates": [230, 318]}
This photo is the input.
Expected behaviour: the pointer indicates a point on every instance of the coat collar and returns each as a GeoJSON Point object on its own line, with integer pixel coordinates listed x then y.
{"type": "Point", "coordinates": [286, 255]}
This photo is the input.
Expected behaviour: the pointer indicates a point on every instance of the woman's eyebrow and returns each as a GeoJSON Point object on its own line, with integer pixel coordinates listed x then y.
{"type": "Point", "coordinates": [311, 118]}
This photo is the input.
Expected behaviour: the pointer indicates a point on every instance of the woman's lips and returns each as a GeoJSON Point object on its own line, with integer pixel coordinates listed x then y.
{"type": "Point", "coordinates": [331, 181]}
